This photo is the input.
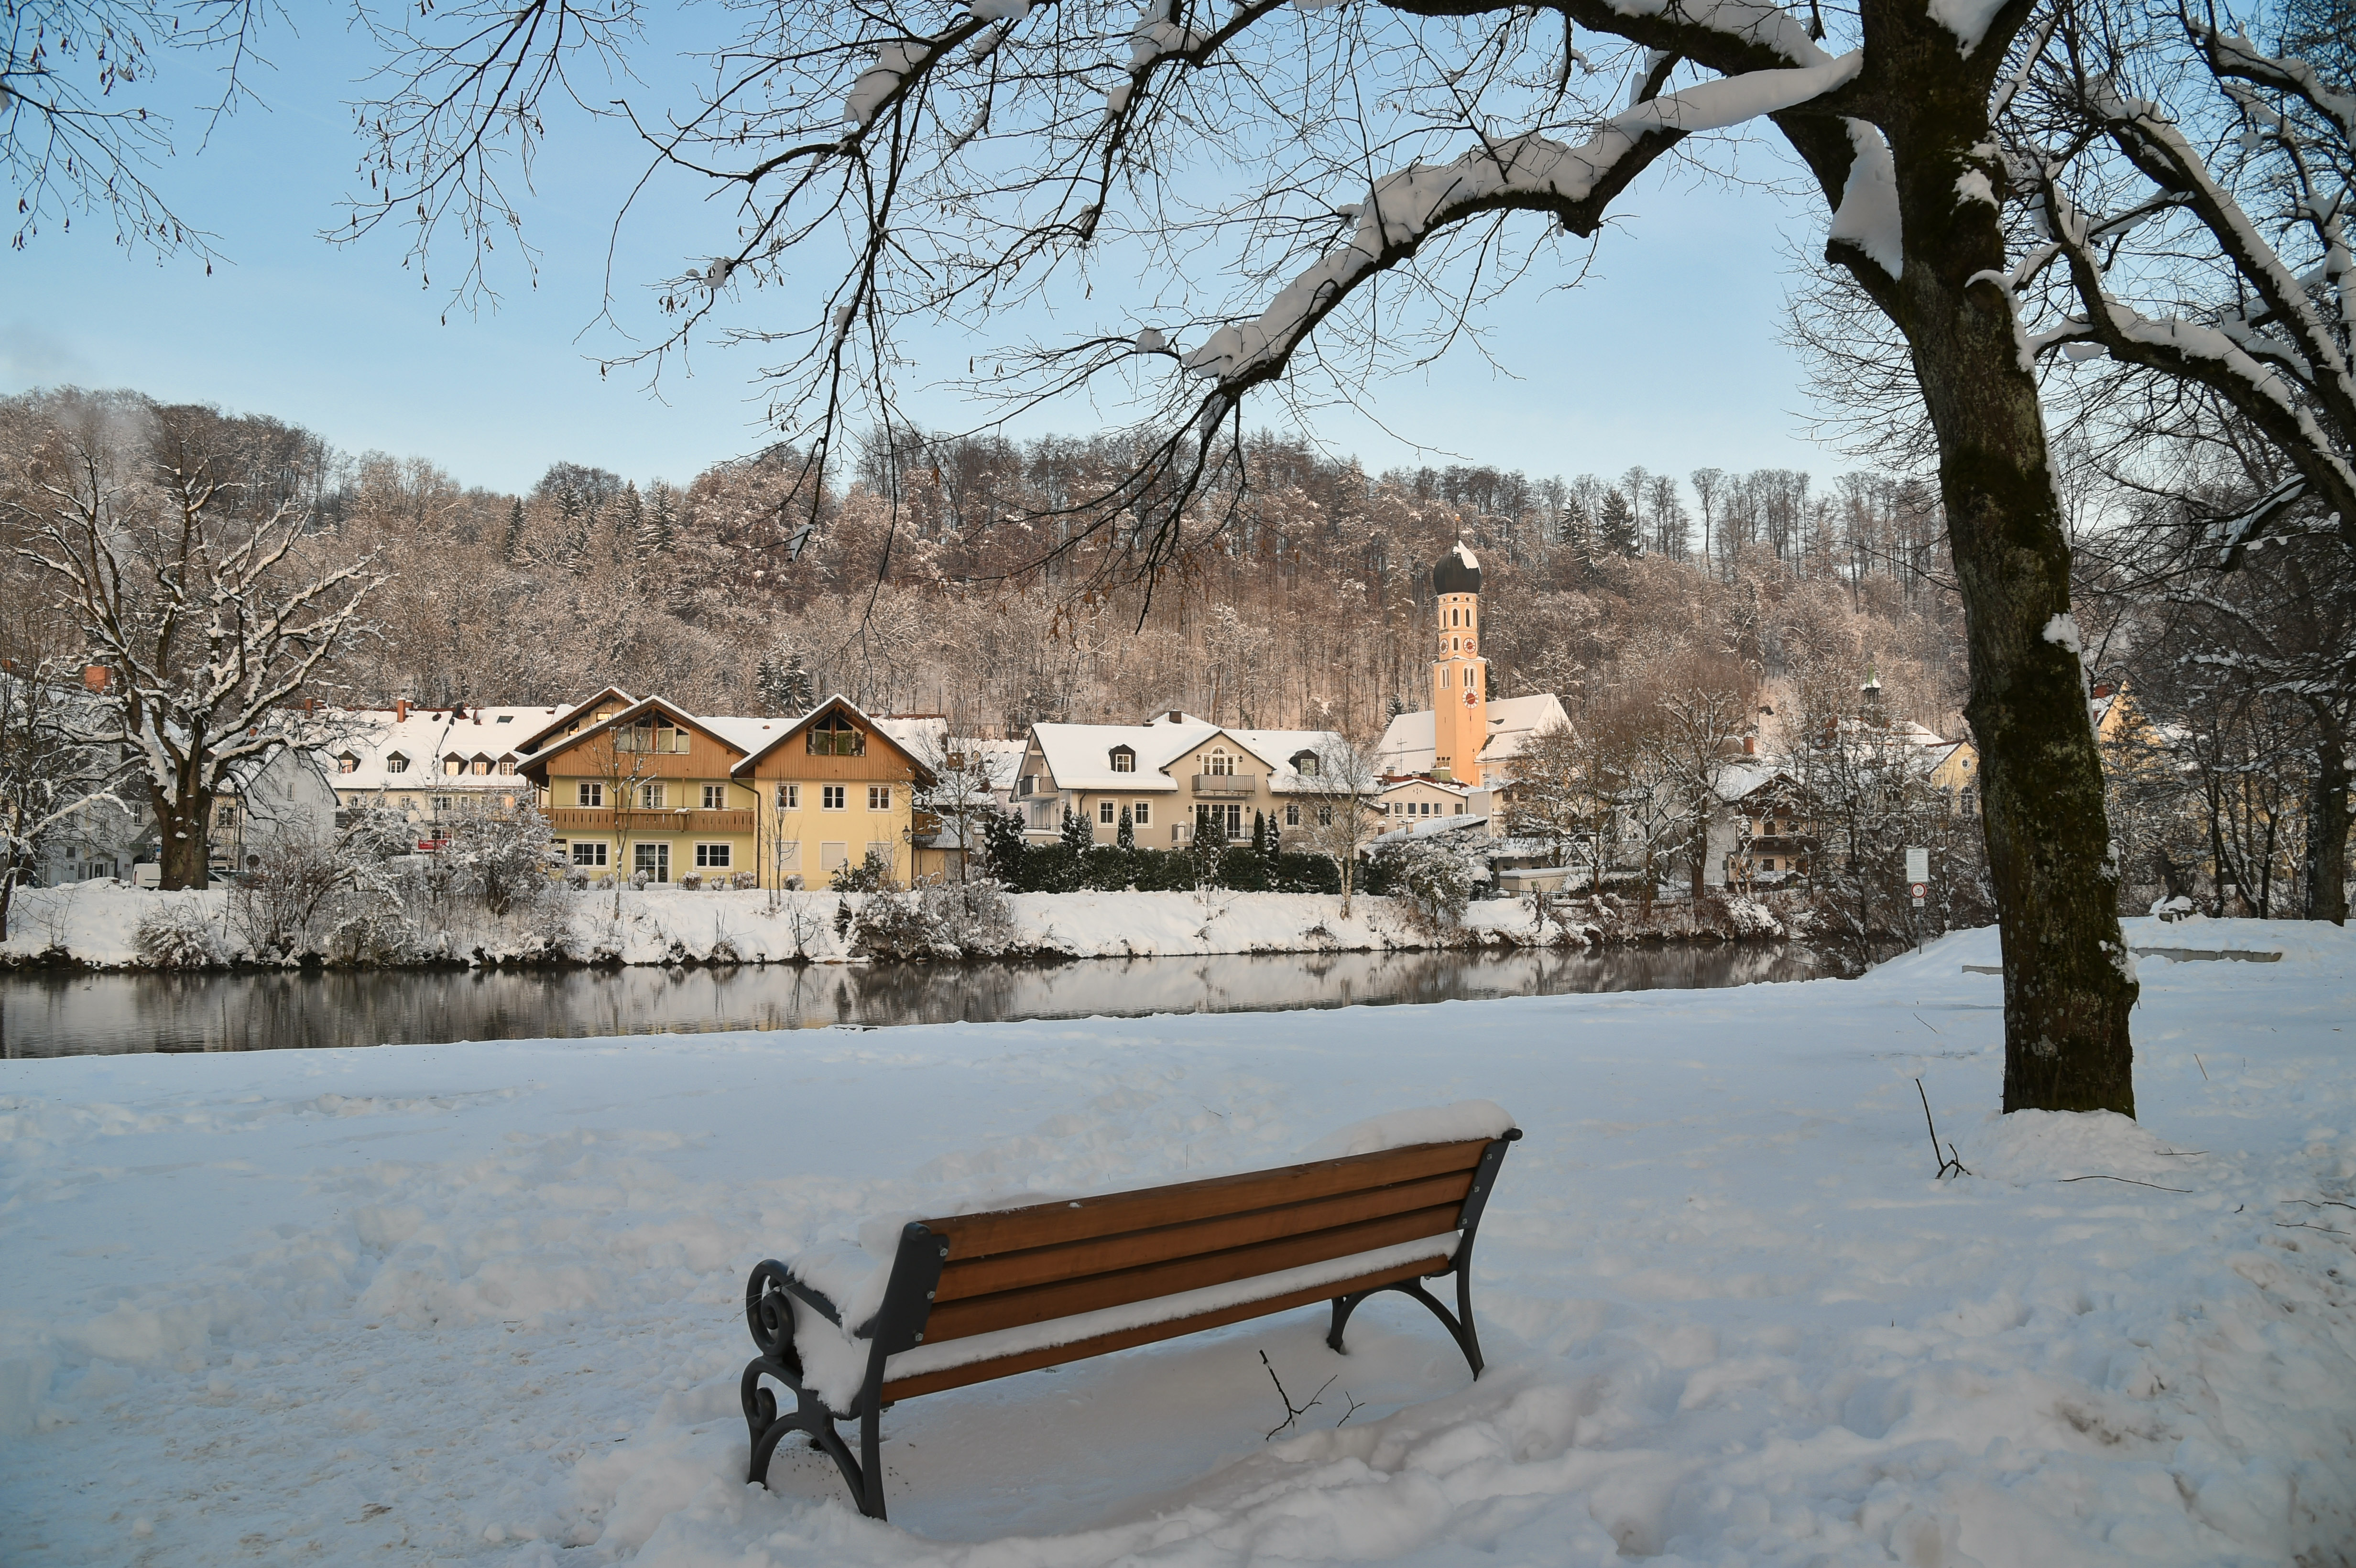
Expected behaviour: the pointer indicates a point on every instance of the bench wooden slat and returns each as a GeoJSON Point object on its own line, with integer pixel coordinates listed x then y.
{"type": "Point", "coordinates": [1037, 1303]}
{"type": "Point", "coordinates": [1086, 1219]}
{"type": "Point", "coordinates": [1134, 1248]}
{"type": "Point", "coordinates": [1122, 1340]}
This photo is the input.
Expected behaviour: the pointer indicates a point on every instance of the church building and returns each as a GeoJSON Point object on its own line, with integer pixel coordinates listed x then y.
{"type": "Point", "coordinates": [1466, 737]}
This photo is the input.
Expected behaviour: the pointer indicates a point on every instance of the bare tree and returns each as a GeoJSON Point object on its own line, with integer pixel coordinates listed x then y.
{"type": "Point", "coordinates": [1705, 705]}
{"type": "Point", "coordinates": [49, 775]}
{"type": "Point", "coordinates": [199, 587]}
{"type": "Point", "coordinates": [1335, 815]}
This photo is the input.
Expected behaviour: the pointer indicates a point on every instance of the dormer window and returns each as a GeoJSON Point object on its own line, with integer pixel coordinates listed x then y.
{"type": "Point", "coordinates": [396, 764]}
{"type": "Point", "coordinates": [835, 736]}
{"type": "Point", "coordinates": [453, 765]}
{"type": "Point", "coordinates": [1124, 760]}
{"type": "Point", "coordinates": [1306, 764]}
{"type": "Point", "coordinates": [348, 763]}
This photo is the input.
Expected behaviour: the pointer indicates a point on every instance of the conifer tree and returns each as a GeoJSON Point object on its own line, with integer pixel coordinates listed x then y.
{"type": "Point", "coordinates": [1077, 836]}
{"type": "Point", "coordinates": [1125, 836]}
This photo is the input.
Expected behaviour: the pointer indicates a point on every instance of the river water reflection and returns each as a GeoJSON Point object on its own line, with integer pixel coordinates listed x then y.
{"type": "Point", "coordinates": [77, 1014]}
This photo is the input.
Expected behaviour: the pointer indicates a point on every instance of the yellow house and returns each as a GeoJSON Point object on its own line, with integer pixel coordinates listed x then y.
{"type": "Point", "coordinates": [645, 790]}
{"type": "Point", "coordinates": [831, 788]}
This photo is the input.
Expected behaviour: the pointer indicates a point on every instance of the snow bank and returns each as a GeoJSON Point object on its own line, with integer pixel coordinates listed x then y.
{"type": "Point", "coordinates": [483, 1303]}
{"type": "Point", "coordinates": [98, 923]}
{"type": "Point", "coordinates": [1423, 1125]}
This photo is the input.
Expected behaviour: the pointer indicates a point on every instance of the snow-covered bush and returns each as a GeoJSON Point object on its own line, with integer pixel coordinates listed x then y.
{"type": "Point", "coordinates": [178, 934]}
{"type": "Point", "coordinates": [1752, 918]}
{"type": "Point", "coordinates": [973, 917]}
{"type": "Point", "coordinates": [502, 860]}
{"type": "Point", "coordinates": [865, 876]}
{"type": "Point", "coordinates": [692, 883]}
{"type": "Point", "coordinates": [892, 924]}
{"type": "Point", "coordinates": [1432, 877]}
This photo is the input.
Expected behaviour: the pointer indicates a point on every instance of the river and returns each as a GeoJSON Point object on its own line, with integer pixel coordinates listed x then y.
{"type": "Point", "coordinates": [63, 1013]}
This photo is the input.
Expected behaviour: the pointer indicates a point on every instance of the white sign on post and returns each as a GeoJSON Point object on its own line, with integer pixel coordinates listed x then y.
{"type": "Point", "coordinates": [1918, 872]}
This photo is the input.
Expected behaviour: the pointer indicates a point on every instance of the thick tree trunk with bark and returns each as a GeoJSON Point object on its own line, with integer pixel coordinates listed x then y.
{"type": "Point", "coordinates": [182, 827]}
{"type": "Point", "coordinates": [2327, 823]}
{"type": "Point", "coordinates": [2067, 978]}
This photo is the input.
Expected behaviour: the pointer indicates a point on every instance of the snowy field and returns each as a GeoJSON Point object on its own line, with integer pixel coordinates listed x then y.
{"type": "Point", "coordinates": [481, 1304]}
{"type": "Point", "coordinates": [97, 923]}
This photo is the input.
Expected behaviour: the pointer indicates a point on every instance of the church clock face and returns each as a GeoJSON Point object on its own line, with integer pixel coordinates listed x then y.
{"type": "Point", "coordinates": [1471, 699]}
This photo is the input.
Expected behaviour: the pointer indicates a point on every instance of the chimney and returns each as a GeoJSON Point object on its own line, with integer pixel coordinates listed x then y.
{"type": "Point", "coordinates": [401, 710]}
{"type": "Point", "coordinates": [310, 705]}
{"type": "Point", "coordinates": [1176, 717]}
{"type": "Point", "coordinates": [1751, 745]}
{"type": "Point", "coordinates": [96, 676]}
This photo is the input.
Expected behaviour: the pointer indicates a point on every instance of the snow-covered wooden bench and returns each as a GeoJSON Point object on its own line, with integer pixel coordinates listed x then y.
{"type": "Point", "coordinates": [973, 1297]}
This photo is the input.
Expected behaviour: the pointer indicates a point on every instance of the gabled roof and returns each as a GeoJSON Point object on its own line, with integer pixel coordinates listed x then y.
{"type": "Point", "coordinates": [1079, 756]}
{"type": "Point", "coordinates": [535, 766]}
{"type": "Point", "coordinates": [531, 742]}
{"type": "Point", "coordinates": [426, 737]}
{"type": "Point", "coordinates": [752, 759]}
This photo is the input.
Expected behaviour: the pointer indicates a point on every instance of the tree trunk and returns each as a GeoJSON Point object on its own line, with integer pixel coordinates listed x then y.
{"type": "Point", "coordinates": [183, 829]}
{"type": "Point", "coordinates": [2067, 985]}
{"type": "Point", "coordinates": [2326, 824]}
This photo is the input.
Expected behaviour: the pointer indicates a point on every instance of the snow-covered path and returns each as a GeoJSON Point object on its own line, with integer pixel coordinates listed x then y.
{"type": "Point", "coordinates": [482, 1303]}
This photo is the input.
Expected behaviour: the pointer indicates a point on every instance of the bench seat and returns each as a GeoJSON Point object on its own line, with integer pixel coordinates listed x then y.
{"type": "Point", "coordinates": [968, 1297]}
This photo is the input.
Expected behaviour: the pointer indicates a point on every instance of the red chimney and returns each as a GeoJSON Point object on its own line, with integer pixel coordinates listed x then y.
{"type": "Point", "coordinates": [401, 710]}
{"type": "Point", "coordinates": [1751, 745]}
{"type": "Point", "coordinates": [96, 676]}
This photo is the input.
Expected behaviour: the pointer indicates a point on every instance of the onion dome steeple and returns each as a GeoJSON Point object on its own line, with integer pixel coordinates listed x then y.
{"type": "Point", "coordinates": [1459, 572]}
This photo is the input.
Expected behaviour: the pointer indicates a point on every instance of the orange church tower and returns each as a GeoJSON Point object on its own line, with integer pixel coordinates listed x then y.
{"type": "Point", "coordinates": [1460, 675]}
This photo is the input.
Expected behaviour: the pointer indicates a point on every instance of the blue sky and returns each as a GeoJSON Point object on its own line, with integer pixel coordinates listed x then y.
{"type": "Point", "coordinates": [1667, 355]}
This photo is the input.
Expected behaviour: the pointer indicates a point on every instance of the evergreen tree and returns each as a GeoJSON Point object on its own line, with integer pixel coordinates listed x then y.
{"type": "Point", "coordinates": [1001, 840]}
{"type": "Point", "coordinates": [1125, 836]}
{"type": "Point", "coordinates": [655, 521]}
{"type": "Point", "coordinates": [515, 527]}
{"type": "Point", "coordinates": [1616, 529]}
{"type": "Point", "coordinates": [782, 684]}
{"type": "Point", "coordinates": [1275, 836]}
{"type": "Point", "coordinates": [630, 520]}
{"type": "Point", "coordinates": [1077, 836]}
{"type": "Point", "coordinates": [1259, 834]}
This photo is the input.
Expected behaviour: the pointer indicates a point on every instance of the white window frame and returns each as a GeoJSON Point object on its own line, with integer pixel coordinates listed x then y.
{"type": "Point", "coordinates": [789, 797]}
{"type": "Point", "coordinates": [1109, 815]}
{"type": "Point", "coordinates": [879, 797]}
{"type": "Point", "coordinates": [715, 797]}
{"type": "Point", "coordinates": [715, 856]}
{"type": "Point", "coordinates": [652, 795]}
{"type": "Point", "coordinates": [589, 853]}
{"type": "Point", "coordinates": [590, 795]}
{"type": "Point", "coordinates": [833, 797]}
{"type": "Point", "coordinates": [1140, 814]}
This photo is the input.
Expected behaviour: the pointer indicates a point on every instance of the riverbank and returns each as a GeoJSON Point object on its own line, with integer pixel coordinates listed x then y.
{"type": "Point", "coordinates": [484, 1304]}
{"type": "Point", "coordinates": [97, 924]}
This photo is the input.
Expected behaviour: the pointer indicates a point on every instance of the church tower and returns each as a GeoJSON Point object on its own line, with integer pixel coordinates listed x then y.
{"type": "Point", "coordinates": [1460, 675]}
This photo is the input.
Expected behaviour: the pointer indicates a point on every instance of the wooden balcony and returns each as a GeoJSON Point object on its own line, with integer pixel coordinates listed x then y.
{"type": "Point", "coordinates": [1225, 783]}
{"type": "Point", "coordinates": [600, 819]}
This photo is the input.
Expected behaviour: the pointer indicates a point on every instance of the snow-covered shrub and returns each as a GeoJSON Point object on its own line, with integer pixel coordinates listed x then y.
{"type": "Point", "coordinates": [1432, 877]}
{"type": "Point", "coordinates": [894, 924]}
{"type": "Point", "coordinates": [745, 881]}
{"type": "Point", "coordinates": [972, 917]}
{"type": "Point", "coordinates": [1752, 918]}
{"type": "Point", "coordinates": [867, 875]}
{"type": "Point", "coordinates": [178, 934]}
{"type": "Point", "coordinates": [692, 882]}
{"type": "Point", "coordinates": [502, 862]}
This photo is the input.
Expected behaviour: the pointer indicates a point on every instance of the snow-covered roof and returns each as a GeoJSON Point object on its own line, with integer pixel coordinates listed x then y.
{"type": "Point", "coordinates": [1414, 782]}
{"type": "Point", "coordinates": [900, 733]}
{"type": "Point", "coordinates": [613, 698]}
{"type": "Point", "coordinates": [425, 740]}
{"type": "Point", "coordinates": [1079, 756]}
{"type": "Point", "coordinates": [1407, 745]}
{"type": "Point", "coordinates": [1431, 827]}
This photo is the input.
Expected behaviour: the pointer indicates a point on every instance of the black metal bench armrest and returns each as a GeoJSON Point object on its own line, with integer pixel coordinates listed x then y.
{"type": "Point", "coordinates": [764, 1313]}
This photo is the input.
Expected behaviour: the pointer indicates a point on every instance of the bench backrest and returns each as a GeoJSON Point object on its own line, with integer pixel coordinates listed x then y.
{"type": "Point", "coordinates": [1019, 1266]}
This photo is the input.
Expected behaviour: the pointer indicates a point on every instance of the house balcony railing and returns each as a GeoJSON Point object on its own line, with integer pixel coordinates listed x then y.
{"type": "Point", "coordinates": [1224, 784]}
{"type": "Point", "coordinates": [601, 819]}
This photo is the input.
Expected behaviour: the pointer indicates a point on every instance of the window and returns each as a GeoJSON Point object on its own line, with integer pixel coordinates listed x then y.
{"type": "Point", "coordinates": [651, 861]}
{"type": "Point", "coordinates": [1292, 816]}
{"type": "Point", "coordinates": [507, 802]}
{"type": "Point", "coordinates": [659, 735]}
{"type": "Point", "coordinates": [835, 736]}
{"type": "Point", "coordinates": [714, 855]}
{"type": "Point", "coordinates": [591, 795]}
{"type": "Point", "coordinates": [1124, 761]}
{"type": "Point", "coordinates": [587, 854]}
{"type": "Point", "coordinates": [506, 764]}
{"type": "Point", "coordinates": [715, 797]}
{"type": "Point", "coordinates": [1104, 812]}
{"type": "Point", "coordinates": [650, 796]}
{"type": "Point", "coordinates": [348, 763]}
{"type": "Point", "coordinates": [1306, 764]}
{"type": "Point", "coordinates": [789, 797]}
{"type": "Point", "coordinates": [1218, 764]}
{"type": "Point", "coordinates": [830, 796]}
{"type": "Point", "coordinates": [1967, 801]}
{"type": "Point", "coordinates": [482, 766]}
{"type": "Point", "coordinates": [1324, 816]}
{"type": "Point", "coordinates": [1768, 864]}
{"type": "Point", "coordinates": [879, 797]}
{"type": "Point", "coordinates": [1443, 675]}
{"type": "Point", "coordinates": [396, 764]}
{"type": "Point", "coordinates": [453, 766]}
{"type": "Point", "coordinates": [504, 719]}
{"type": "Point", "coordinates": [1141, 813]}
{"type": "Point", "coordinates": [441, 803]}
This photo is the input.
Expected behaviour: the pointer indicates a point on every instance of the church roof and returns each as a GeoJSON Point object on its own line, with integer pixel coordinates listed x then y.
{"type": "Point", "coordinates": [1459, 572]}
{"type": "Point", "coordinates": [1406, 747]}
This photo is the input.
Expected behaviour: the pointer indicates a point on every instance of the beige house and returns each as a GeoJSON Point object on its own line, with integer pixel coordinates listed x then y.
{"type": "Point", "coordinates": [1167, 775]}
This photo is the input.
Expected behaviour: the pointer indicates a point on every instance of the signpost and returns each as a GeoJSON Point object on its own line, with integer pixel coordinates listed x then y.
{"type": "Point", "coordinates": [1918, 883]}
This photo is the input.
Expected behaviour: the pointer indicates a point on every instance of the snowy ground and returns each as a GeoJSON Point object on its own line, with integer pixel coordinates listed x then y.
{"type": "Point", "coordinates": [96, 923]}
{"type": "Point", "coordinates": [482, 1304]}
